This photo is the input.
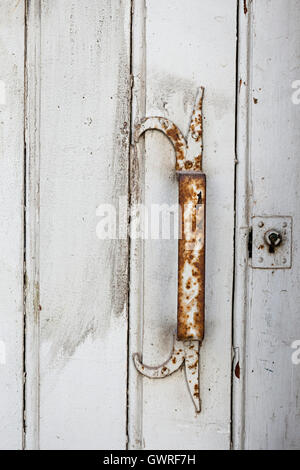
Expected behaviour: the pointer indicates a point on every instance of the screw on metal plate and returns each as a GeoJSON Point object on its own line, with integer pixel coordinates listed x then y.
{"type": "Point", "coordinates": [191, 250]}
{"type": "Point", "coordinates": [272, 242]}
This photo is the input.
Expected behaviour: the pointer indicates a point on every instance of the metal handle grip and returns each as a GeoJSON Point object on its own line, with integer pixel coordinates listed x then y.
{"type": "Point", "coordinates": [191, 256]}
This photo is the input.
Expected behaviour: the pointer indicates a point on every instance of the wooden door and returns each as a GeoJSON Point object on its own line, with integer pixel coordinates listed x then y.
{"type": "Point", "coordinates": [265, 401]}
{"type": "Point", "coordinates": [185, 46]}
{"type": "Point", "coordinates": [76, 79]}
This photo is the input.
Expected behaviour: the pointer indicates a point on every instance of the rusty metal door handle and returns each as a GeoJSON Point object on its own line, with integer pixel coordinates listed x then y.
{"type": "Point", "coordinates": [191, 249]}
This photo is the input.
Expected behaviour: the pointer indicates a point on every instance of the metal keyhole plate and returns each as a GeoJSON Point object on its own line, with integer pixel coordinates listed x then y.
{"type": "Point", "coordinates": [271, 242]}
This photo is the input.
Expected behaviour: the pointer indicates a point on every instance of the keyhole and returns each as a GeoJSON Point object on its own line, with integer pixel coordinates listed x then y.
{"type": "Point", "coordinates": [199, 198]}
{"type": "Point", "coordinates": [273, 239]}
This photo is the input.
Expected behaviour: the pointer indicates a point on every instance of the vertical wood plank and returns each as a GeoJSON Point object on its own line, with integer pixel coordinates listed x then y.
{"type": "Point", "coordinates": [136, 285]}
{"type": "Point", "coordinates": [186, 47]}
{"type": "Point", "coordinates": [32, 218]}
{"type": "Point", "coordinates": [11, 222]}
{"type": "Point", "coordinates": [82, 307]}
{"type": "Point", "coordinates": [273, 321]}
{"type": "Point", "coordinates": [242, 223]}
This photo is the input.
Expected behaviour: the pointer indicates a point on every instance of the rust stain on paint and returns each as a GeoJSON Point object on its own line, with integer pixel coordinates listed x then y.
{"type": "Point", "coordinates": [237, 370]}
{"type": "Point", "coordinates": [194, 365]}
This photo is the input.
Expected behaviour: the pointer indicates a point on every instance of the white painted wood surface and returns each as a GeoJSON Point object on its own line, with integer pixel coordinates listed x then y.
{"type": "Point", "coordinates": [81, 313]}
{"type": "Point", "coordinates": [272, 381]}
{"type": "Point", "coordinates": [185, 47]}
{"type": "Point", "coordinates": [11, 222]}
{"type": "Point", "coordinates": [32, 240]}
{"type": "Point", "coordinates": [78, 111]}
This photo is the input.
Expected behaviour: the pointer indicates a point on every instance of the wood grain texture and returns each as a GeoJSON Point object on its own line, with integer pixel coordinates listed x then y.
{"type": "Point", "coordinates": [185, 48]}
{"type": "Point", "coordinates": [32, 215]}
{"type": "Point", "coordinates": [82, 284]}
{"type": "Point", "coordinates": [273, 321]}
{"type": "Point", "coordinates": [11, 222]}
{"type": "Point", "coordinates": [242, 224]}
{"type": "Point", "coordinates": [136, 286]}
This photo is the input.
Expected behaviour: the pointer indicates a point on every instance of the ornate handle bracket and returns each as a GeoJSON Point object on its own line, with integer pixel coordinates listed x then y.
{"type": "Point", "coordinates": [191, 249]}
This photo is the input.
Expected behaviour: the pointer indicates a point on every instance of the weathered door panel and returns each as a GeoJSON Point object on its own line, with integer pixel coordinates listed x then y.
{"type": "Point", "coordinates": [185, 47]}
{"type": "Point", "coordinates": [272, 380]}
{"type": "Point", "coordinates": [92, 70]}
{"type": "Point", "coordinates": [11, 222]}
{"type": "Point", "coordinates": [76, 385]}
